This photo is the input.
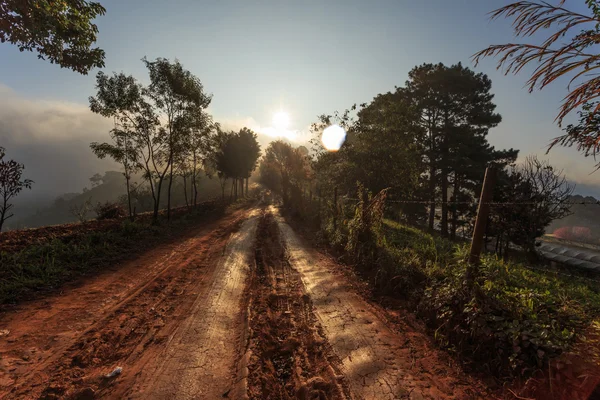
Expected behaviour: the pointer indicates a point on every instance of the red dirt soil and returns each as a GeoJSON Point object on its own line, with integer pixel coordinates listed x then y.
{"type": "Point", "coordinates": [63, 346]}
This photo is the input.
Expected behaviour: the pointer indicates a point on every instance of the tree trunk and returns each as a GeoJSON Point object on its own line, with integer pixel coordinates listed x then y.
{"type": "Point", "coordinates": [247, 179]}
{"type": "Point", "coordinates": [444, 178]}
{"type": "Point", "coordinates": [455, 207]}
{"type": "Point", "coordinates": [432, 198]}
{"type": "Point", "coordinates": [169, 192]}
{"type": "Point", "coordinates": [129, 197]}
{"type": "Point", "coordinates": [157, 201]}
{"type": "Point", "coordinates": [185, 190]}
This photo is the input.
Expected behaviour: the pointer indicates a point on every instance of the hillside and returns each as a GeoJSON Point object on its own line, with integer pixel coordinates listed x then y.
{"type": "Point", "coordinates": [109, 187]}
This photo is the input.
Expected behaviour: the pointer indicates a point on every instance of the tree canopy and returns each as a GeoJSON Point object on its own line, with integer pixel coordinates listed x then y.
{"type": "Point", "coordinates": [60, 31]}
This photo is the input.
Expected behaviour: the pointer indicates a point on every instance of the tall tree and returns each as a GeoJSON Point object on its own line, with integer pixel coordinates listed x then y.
{"type": "Point", "coordinates": [154, 123]}
{"type": "Point", "coordinates": [11, 184]}
{"type": "Point", "coordinates": [60, 31]}
{"type": "Point", "coordinates": [120, 97]}
{"type": "Point", "coordinates": [177, 95]}
{"type": "Point", "coordinates": [556, 57]}
{"type": "Point", "coordinates": [455, 106]}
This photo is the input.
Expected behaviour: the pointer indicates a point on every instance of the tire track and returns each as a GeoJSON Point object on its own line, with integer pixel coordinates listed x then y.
{"type": "Point", "coordinates": [200, 357]}
{"type": "Point", "coordinates": [377, 362]}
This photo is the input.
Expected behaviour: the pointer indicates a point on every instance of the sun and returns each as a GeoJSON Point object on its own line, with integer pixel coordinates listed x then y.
{"type": "Point", "coordinates": [281, 120]}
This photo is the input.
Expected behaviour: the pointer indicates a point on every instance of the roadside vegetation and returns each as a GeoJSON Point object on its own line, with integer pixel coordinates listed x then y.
{"type": "Point", "coordinates": [47, 263]}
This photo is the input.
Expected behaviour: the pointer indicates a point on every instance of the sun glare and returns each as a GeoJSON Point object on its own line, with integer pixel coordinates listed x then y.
{"type": "Point", "coordinates": [333, 137]}
{"type": "Point", "coordinates": [281, 120]}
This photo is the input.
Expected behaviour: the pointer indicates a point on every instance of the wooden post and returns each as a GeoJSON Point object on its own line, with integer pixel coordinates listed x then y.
{"type": "Point", "coordinates": [483, 212]}
{"type": "Point", "coordinates": [335, 208]}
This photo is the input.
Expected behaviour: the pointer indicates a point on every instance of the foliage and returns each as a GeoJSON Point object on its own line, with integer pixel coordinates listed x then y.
{"type": "Point", "coordinates": [536, 194]}
{"type": "Point", "coordinates": [235, 157]}
{"type": "Point", "coordinates": [60, 31]}
{"type": "Point", "coordinates": [11, 184]}
{"type": "Point", "coordinates": [285, 169]}
{"type": "Point", "coordinates": [109, 211]}
{"type": "Point", "coordinates": [364, 230]}
{"type": "Point", "coordinates": [81, 211]}
{"type": "Point", "coordinates": [574, 57]}
{"type": "Point", "coordinates": [422, 141]}
{"type": "Point", "coordinates": [512, 322]}
{"type": "Point", "coordinates": [156, 126]}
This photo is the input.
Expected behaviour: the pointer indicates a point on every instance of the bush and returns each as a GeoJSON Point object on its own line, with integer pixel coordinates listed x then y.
{"type": "Point", "coordinates": [514, 319]}
{"type": "Point", "coordinates": [110, 211]}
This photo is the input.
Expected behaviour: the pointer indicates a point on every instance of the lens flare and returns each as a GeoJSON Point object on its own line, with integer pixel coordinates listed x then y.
{"type": "Point", "coordinates": [333, 137]}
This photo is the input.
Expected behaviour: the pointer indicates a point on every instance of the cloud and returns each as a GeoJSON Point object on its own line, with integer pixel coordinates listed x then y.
{"type": "Point", "coordinates": [52, 139]}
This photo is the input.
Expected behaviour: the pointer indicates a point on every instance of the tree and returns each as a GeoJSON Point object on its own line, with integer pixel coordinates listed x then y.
{"type": "Point", "coordinates": [249, 152]}
{"type": "Point", "coordinates": [120, 97]}
{"type": "Point", "coordinates": [455, 112]}
{"type": "Point", "coordinates": [80, 211]}
{"type": "Point", "coordinates": [96, 180]}
{"type": "Point", "coordinates": [11, 184]}
{"type": "Point", "coordinates": [153, 124]}
{"type": "Point", "coordinates": [60, 31]}
{"type": "Point", "coordinates": [235, 156]}
{"type": "Point", "coordinates": [221, 158]}
{"type": "Point", "coordinates": [176, 95]}
{"type": "Point", "coordinates": [554, 58]}
{"type": "Point", "coordinates": [283, 169]}
{"type": "Point", "coordinates": [529, 196]}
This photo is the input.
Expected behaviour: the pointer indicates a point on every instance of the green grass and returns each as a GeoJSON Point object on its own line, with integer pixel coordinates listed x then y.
{"type": "Point", "coordinates": [47, 266]}
{"type": "Point", "coordinates": [511, 322]}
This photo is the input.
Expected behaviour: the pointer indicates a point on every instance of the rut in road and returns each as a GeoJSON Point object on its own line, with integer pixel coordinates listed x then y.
{"type": "Point", "coordinates": [377, 362]}
{"type": "Point", "coordinates": [289, 357]}
{"type": "Point", "coordinates": [199, 361]}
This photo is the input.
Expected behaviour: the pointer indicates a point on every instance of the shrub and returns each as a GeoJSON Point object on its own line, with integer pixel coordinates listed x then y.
{"type": "Point", "coordinates": [110, 211]}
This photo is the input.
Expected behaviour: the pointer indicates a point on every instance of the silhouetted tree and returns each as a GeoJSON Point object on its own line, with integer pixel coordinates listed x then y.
{"type": "Point", "coordinates": [530, 196]}
{"type": "Point", "coordinates": [177, 96]}
{"type": "Point", "coordinates": [283, 169]}
{"type": "Point", "coordinates": [60, 31]}
{"type": "Point", "coordinates": [152, 124]}
{"type": "Point", "coordinates": [11, 184]}
{"type": "Point", "coordinates": [455, 107]}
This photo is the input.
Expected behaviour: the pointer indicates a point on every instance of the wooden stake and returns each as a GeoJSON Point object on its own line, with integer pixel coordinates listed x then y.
{"type": "Point", "coordinates": [482, 215]}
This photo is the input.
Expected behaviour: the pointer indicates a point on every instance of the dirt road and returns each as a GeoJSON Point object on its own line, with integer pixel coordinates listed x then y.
{"type": "Point", "coordinates": [134, 316]}
{"type": "Point", "coordinates": [241, 308]}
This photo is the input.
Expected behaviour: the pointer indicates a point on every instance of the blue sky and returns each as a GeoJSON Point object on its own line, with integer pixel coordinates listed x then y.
{"type": "Point", "coordinates": [307, 57]}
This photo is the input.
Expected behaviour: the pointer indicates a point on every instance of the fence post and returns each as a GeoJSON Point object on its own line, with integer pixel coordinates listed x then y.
{"type": "Point", "coordinates": [483, 212]}
{"type": "Point", "coordinates": [335, 209]}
